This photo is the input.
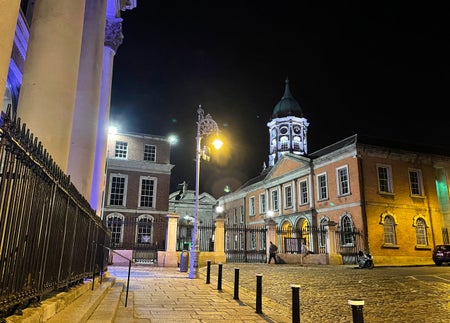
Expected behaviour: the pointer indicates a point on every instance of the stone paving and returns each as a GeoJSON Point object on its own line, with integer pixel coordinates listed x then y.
{"type": "Point", "coordinates": [390, 294]}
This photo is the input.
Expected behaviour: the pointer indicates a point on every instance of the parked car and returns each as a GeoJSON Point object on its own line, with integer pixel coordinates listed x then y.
{"type": "Point", "coordinates": [441, 253]}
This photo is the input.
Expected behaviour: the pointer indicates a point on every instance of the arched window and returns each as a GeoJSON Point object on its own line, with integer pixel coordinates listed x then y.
{"type": "Point", "coordinates": [421, 232]}
{"type": "Point", "coordinates": [144, 229]}
{"type": "Point", "coordinates": [346, 230]}
{"type": "Point", "coordinates": [389, 230]}
{"type": "Point", "coordinates": [114, 222]}
{"type": "Point", "coordinates": [284, 143]}
{"type": "Point", "coordinates": [323, 232]}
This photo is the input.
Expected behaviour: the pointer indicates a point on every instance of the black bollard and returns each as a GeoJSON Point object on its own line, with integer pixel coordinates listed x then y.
{"type": "Point", "coordinates": [219, 278]}
{"type": "Point", "coordinates": [295, 303]}
{"type": "Point", "coordinates": [208, 271]}
{"type": "Point", "coordinates": [236, 283]}
{"type": "Point", "coordinates": [357, 310]}
{"type": "Point", "coordinates": [259, 293]}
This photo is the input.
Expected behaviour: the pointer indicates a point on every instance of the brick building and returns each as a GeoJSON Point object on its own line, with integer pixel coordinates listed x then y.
{"type": "Point", "coordinates": [136, 198]}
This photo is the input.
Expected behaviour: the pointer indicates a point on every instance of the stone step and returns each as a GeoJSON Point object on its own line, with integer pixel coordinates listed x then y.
{"type": "Point", "coordinates": [106, 310]}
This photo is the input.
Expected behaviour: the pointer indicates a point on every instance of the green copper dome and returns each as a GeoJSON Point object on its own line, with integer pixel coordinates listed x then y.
{"type": "Point", "coordinates": [288, 106]}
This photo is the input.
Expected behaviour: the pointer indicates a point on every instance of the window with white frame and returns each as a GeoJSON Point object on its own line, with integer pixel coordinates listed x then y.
{"type": "Point", "coordinates": [421, 232]}
{"type": "Point", "coordinates": [262, 203]}
{"type": "Point", "coordinates": [303, 192]}
{"type": "Point", "coordinates": [389, 230]}
{"type": "Point", "coordinates": [288, 196]}
{"type": "Point", "coordinates": [343, 180]}
{"type": "Point", "coordinates": [415, 182]}
{"type": "Point", "coordinates": [323, 232]}
{"type": "Point", "coordinates": [144, 229]}
{"type": "Point", "coordinates": [242, 214]}
{"type": "Point", "coordinates": [347, 234]}
{"type": "Point", "coordinates": [251, 206]}
{"type": "Point", "coordinates": [384, 173]}
{"type": "Point", "coordinates": [274, 201]}
{"type": "Point", "coordinates": [121, 149]}
{"type": "Point", "coordinates": [322, 187]}
{"type": "Point", "coordinates": [117, 189]}
{"type": "Point", "coordinates": [235, 216]}
{"type": "Point", "coordinates": [150, 153]}
{"type": "Point", "coordinates": [147, 191]}
{"type": "Point", "coordinates": [115, 223]}
{"type": "Point", "coordinates": [284, 143]}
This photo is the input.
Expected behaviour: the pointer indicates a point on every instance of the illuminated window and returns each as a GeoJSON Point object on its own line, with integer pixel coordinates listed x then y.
{"type": "Point", "coordinates": [114, 222]}
{"type": "Point", "coordinates": [347, 230]}
{"type": "Point", "coordinates": [144, 230]}
{"type": "Point", "coordinates": [121, 150]}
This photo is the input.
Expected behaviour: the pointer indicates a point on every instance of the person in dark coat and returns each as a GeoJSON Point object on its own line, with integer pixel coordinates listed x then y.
{"type": "Point", "coordinates": [272, 252]}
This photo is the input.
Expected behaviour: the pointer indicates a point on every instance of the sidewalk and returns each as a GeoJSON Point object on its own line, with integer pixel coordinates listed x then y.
{"type": "Point", "coordinates": [158, 294]}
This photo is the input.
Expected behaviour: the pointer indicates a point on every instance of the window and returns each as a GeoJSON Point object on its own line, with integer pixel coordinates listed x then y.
{"type": "Point", "coordinates": [147, 192]}
{"type": "Point", "coordinates": [343, 181]}
{"type": "Point", "coordinates": [323, 232]}
{"type": "Point", "coordinates": [251, 206]}
{"type": "Point", "coordinates": [252, 240]}
{"type": "Point", "coordinates": [262, 203]}
{"type": "Point", "coordinates": [303, 192]}
{"type": "Point", "coordinates": [322, 189]}
{"type": "Point", "coordinates": [284, 143]}
{"type": "Point", "coordinates": [117, 189]}
{"type": "Point", "coordinates": [346, 230]}
{"type": "Point", "coordinates": [415, 182]}
{"type": "Point", "coordinates": [389, 230]}
{"type": "Point", "coordinates": [144, 230]}
{"type": "Point", "coordinates": [288, 197]}
{"type": "Point", "coordinates": [242, 213]}
{"type": "Point", "coordinates": [384, 179]}
{"type": "Point", "coordinates": [421, 232]}
{"type": "Point", "coordinates": [274, 195]}
{"type": "Point", "coordinates": [114, 222]}
{"type": "Point", "coordinates": [150, 153]}
{"type": "Point", "coordinates": [235, 216]}
{"type": "Point", "coordinates": [121, 150]}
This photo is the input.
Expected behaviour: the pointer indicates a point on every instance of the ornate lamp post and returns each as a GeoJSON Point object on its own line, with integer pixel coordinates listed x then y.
{"type": "Point", "coordinates": [205, 126]}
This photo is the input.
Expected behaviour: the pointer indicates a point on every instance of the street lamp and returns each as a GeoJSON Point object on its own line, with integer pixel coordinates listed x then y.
{"type": "Point", "coordinates": [205, 126]}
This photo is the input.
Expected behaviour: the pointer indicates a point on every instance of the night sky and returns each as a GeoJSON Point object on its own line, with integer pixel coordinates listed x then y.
{"type": "Point", "coordinates": [378, 68]}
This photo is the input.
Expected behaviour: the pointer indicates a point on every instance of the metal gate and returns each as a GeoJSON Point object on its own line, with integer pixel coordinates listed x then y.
{"type": "Point", "coordinates": [245, 243]}
{"type": "Point", "coordinates": [347, 244]}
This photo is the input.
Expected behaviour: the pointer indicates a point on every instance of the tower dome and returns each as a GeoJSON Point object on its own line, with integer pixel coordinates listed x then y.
{"type": "Point", "coordinates": [287, 106]}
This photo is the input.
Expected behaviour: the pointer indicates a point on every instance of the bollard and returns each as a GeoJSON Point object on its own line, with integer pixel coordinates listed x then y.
{"type": "Point", "coordinates": [259, 293]}
{"type": "Point", "coordinates": [208, 271]}
{"type": "Point", "coordinates": [219, 278]}
{"type": "Point", "coordinates": [295, 303]}
{"type": "Point", "coordinates": [236, 283]}
{"type": "Point", "coordinates": [357, 310]}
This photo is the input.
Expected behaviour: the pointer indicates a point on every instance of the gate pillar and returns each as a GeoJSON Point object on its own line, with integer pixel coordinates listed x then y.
{"type": "Point", "coordinates": [333, 257]}
{"type": "Point", "coordinates": [169, 257]}
{"type": "Point", "coordinates": [271, 235]}
{"type": "Point", "coordinates": [219, 241]}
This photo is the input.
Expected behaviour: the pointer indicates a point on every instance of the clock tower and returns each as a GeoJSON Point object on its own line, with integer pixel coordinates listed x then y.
{"type": "Point", "coordinates": [287, 128]}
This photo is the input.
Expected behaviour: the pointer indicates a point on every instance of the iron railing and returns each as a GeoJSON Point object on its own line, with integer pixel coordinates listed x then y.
{"type": "Point", "coordinates": [48, 232]}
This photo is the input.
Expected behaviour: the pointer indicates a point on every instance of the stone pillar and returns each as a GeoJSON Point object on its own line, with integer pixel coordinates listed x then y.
{"type": "Point", "coordinates": [169, 257]}
{"type": "Point", "coordinates": [270, 235]}
{"type": "Point", "coordinates": [85, 119]}
{"type": "Point", "coordinates": [333, 257]}
{"type": "Point", "coordinates": [113, 39]}
{"type": "Point", "coordinates": [219, 241]}
{"type": "Point", "coordinates": [9, 11]}
{"type": "Point", "coordinates": [49, 85]}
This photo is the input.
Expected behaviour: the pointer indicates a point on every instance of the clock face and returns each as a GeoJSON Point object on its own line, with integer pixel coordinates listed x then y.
{"type": "Point", "coordinates": [283, 130]}
{"type": "Point", "coordinates": [297, 129]}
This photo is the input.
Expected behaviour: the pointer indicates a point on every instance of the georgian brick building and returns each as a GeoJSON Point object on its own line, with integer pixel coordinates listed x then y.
{"type": "Point", "coordinates": [136, 198]}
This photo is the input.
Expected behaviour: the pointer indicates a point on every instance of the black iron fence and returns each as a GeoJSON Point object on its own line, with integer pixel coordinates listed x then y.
{"type": "Point", "coordinates": [205, 233]}
{"type": "Point", "coordinates": [49, 235]}
{"type": "Point", "coordinates": [245, 243]}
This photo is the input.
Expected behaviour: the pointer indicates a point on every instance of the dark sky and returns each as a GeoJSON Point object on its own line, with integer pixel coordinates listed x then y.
{"type": "Point", "coordinates": [377, 68]}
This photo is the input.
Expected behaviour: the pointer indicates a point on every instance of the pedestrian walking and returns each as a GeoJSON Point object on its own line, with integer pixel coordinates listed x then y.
{"type": "Point", "coordinates": [272, 252]}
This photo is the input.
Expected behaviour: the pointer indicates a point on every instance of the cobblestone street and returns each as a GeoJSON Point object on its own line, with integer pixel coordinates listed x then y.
{"type": "Point", "coordinates": [391, 294]}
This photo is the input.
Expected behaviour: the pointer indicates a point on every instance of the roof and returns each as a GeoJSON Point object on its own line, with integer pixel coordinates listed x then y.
{"type": "Point", "coordinates": [287, 106]}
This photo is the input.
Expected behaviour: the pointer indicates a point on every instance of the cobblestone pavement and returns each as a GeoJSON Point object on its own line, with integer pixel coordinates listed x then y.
{"type": "Point", "coordinates": [390, 294]}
